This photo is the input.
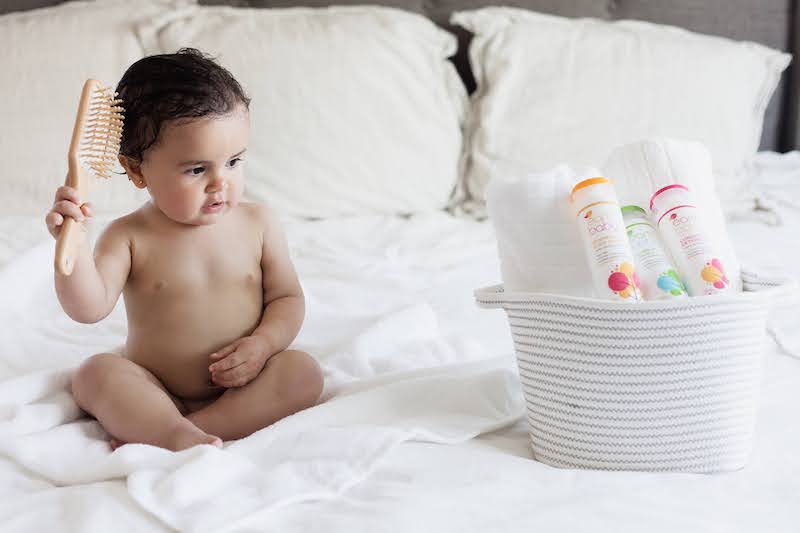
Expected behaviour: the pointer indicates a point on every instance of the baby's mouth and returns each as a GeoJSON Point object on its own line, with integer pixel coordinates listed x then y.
{"type": "Point", "coordinates": [214, 206]}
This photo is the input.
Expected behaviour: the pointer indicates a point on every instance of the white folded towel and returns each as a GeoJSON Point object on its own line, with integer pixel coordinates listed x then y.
{"type": "Point", "coordinates": [537, 236]}
{"type": "Point", "coordinates": [641, 168]}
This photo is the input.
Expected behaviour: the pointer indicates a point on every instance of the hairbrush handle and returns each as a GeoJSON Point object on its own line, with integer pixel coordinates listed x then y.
{"type": "Point", "coordinates": [72, 232]}
{"type": "Point", "coordinates": [68, 246]}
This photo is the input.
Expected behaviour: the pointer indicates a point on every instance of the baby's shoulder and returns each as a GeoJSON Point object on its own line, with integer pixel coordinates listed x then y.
{"type": "Point", "coordinates": [256, 215]}
{"type": "Point", "coordinates": [126, 225]}
{"type": "Point", "coordinates": [118, 236]}
{"type": "Point", "coordinates": [123, 226]}
{"type": "Point", "coordinates": [265, 221]}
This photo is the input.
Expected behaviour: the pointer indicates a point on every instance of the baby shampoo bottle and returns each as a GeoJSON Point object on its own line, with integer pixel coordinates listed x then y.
{"type": "Point", "coordinates": [683, 230]}
{"type": "Point", "coordinates": [602, 230]}
{"type": "Point", "coordinates": [659, 278]}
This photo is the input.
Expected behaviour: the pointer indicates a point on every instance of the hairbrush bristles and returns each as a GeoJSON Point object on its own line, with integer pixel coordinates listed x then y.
{"type": "Point", "coordinates": [100, 136]}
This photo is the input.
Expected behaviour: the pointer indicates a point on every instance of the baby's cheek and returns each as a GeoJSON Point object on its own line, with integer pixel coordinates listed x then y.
{"type": "Point", "coordinates": [189, 206]}
{"type": "Point", "coordinates": [235, 194]}
{"type": "Point", "coordinates": [191, 203]}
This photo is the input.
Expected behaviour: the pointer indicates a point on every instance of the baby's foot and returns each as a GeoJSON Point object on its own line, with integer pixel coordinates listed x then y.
{"type": "Point", "coordinates": [187, 435]}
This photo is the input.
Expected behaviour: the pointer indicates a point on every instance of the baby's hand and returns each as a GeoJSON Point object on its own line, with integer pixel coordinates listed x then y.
{"type": "Point", "coordinates": [67, 204]}
{"type": "Point", "coordinates": [239, 362]}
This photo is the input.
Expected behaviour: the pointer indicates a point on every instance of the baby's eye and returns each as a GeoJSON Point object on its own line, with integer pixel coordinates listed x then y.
{"type": "Point", "coordinates": [196, 171]}
{"type": "Point", "coordinates": [233, 162]}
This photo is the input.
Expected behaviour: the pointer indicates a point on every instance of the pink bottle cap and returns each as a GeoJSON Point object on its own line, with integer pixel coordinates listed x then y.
{"type": "Point", "coordinates": [662, 189]}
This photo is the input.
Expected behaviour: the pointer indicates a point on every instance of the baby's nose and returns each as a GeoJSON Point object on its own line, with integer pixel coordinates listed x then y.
{"type": "Point", "coordinates": [217, 183]}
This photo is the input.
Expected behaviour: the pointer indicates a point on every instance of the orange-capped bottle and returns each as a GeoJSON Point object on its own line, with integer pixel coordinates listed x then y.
{"type": "Point", "coordinates": [605, 243]}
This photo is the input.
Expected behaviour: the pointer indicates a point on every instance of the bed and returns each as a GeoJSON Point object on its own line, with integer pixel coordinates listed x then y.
{"type": "Point", "coordinates": [422, 428]}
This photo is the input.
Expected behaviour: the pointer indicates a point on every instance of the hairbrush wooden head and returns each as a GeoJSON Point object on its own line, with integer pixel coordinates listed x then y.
{"type": "Point", "coordinates": [92, 153]}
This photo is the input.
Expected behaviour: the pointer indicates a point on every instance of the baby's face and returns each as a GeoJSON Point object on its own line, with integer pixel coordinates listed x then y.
{"type": "Point", "coordinates": [194, 172]}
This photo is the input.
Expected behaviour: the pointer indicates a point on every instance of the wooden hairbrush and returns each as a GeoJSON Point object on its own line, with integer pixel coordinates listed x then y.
{"type": "Point", "coordinates": [92, 152]}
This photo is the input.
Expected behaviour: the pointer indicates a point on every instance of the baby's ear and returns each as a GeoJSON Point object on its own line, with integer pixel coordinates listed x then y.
{"type": "Point", "coordinates": [133, 169]}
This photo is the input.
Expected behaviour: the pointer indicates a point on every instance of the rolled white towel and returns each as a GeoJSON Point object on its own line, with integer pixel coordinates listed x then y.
{"type": "Point", "coordinates": [537, 237]}
{"type": "Point", "coordinates": [641, 168]}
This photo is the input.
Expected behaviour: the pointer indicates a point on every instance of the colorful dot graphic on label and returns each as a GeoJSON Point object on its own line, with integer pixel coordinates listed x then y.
{"type": "Point", "coordinates": [670, 282]}
{"type": "Point", "coordinates": [714, 273]}
{"type": "Point", "coordinates": [624, 281]}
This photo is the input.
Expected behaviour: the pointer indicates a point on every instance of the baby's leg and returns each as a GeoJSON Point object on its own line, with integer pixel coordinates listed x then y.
{"type": "Point", "coordinates": [132, 404]}
{"type": "Point", "coordinates": [289, 382]}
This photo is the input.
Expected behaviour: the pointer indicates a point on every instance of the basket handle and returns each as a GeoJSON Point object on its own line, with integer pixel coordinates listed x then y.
{"type": "Point", "coordinates": [783, 288]}
{"type": "Point", "coordinates": [778, 285]}
{"type": "Point", "coordinates": [492, 297]}
{"type": "Point", "coordinates": [780, 337]}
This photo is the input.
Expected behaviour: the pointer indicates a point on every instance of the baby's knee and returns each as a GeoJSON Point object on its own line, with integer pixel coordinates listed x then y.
{"type": "Point", "coordinates": [90, 375]}
{"type": "Point", "coordinates": [301, 377]}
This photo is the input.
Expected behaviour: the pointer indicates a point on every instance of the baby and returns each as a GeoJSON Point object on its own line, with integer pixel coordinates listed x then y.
{"type": "Point", "coordinates": [211, 295]}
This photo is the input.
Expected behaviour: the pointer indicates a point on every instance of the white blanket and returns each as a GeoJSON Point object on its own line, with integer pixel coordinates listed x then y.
{"type": "Point", "coordinates": [313, 455]}
{"type": "Point", "coordinates": [377, 347]}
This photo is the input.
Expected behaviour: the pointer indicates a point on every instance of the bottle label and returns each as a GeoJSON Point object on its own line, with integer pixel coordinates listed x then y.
{"type": "Point", "coordinates": [696, 248]}
{"type": "Point", "coordinates": [605, 236]}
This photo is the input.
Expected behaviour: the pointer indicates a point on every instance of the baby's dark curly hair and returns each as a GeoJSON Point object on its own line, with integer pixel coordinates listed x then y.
{"type": "Point", "coordinates": [159, 88]}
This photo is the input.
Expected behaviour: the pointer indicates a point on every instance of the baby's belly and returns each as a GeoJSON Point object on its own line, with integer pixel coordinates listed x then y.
{"type": "Point", "coordinates": [174, 338]}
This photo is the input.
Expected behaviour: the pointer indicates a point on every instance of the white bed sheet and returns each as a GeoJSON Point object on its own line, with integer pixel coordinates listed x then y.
{"type": "Point", "coordinates": [391, 316]}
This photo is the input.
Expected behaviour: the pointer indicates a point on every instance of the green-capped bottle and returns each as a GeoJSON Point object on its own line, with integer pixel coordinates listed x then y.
{"type": "Point", "coordinates": [658, 278]}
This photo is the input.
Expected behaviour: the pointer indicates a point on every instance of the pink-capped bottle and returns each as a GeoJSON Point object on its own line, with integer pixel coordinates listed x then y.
{"type": "Point", "coordinates": [684, 232]}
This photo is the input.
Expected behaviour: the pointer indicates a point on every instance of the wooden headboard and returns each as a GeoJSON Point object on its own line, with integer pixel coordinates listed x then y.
{"type": "Point", "coordinates": [774, 23]}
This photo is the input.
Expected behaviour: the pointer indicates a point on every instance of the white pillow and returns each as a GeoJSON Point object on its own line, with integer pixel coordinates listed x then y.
{"type": "Point", "coordinates": [47, 55]}
{"type": "Point", "coordinates": [556, 90]}
{"type": "Point", "coordinates": [354, 109]}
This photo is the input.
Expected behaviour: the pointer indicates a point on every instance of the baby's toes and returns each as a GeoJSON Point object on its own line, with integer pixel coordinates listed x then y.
{"type": "Point", "coordinates": [214, 440]}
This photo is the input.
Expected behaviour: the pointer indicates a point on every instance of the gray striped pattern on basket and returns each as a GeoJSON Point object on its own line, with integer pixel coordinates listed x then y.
{"type": "Point", "coordinates": [652, 386]}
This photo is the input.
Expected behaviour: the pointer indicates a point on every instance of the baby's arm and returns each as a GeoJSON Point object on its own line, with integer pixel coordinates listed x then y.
{"type": "Point", "coordinates": [284, 303]}
{"type": "Point", "coordinates": [91, 291]}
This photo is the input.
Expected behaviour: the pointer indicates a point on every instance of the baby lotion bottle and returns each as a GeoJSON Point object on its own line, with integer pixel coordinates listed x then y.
{"type": "Point", "coordinates": [659, 278]}
{"type": "Point", "coordinates": [684, 233]}
{"type": "Point", "coordinates": [602, 230]}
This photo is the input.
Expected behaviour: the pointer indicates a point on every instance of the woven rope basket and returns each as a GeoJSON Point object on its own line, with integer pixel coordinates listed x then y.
{"type": "Point", "coordinates": [655, 386]}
